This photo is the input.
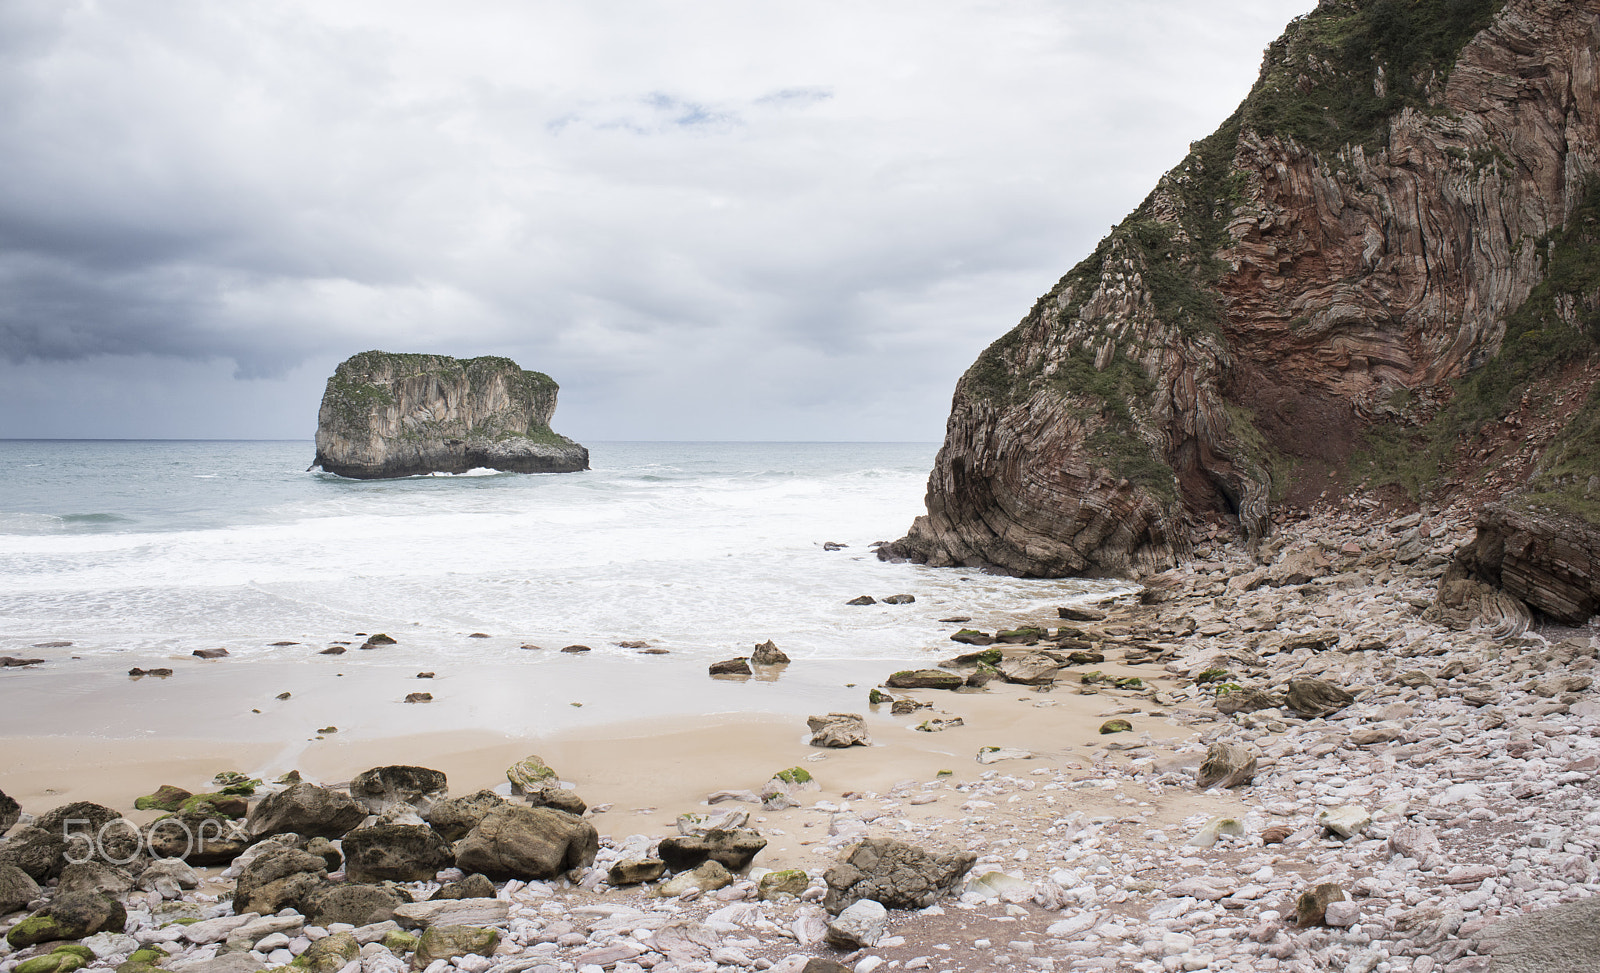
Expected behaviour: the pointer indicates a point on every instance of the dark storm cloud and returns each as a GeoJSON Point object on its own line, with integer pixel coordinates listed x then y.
{"type": "Point", "coordinates": [671, 208]}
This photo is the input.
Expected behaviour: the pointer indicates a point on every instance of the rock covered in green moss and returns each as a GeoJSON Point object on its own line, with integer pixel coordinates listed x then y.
{"type": "Point", "coordinates": [70, 915]}
{"type": "Point", "coordinates": [166, 798]}
{"type": "Point", "coordinates": [329, 954]}
{"type": "Point", "coordinates": [449, 942]}
{"type": "Point", "coordinates": [389, 415]}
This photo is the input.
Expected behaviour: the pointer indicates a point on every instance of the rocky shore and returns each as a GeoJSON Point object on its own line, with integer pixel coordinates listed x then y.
{"type": "Point", "coordinates": [1332, 753]}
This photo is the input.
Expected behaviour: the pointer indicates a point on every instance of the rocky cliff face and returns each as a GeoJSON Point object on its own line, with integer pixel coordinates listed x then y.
{"type": "Point", "coordinates": [386, 415]}
{"type": "Point", "coordinates": [1315, 294]}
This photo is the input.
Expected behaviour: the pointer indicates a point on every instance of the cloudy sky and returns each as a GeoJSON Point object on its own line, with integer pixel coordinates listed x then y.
{"type": "Point", "coordinates": [714, 219]}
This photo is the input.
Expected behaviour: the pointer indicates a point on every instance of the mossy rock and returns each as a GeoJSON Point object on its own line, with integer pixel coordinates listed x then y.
{"type": "Point", "coordinates": [449, 942]}
{"type": "Point", "coordinates": [52, 963]}
{"type": "Point", "coordinates": [329, 954]}
{"type": "Point", "coordinates": [1212, 675]}
{"type": "Point", "coordinates": [151, 957]}
{"type": "Point", "coordinates": [531, 772]}
{"type": "Point", "coordinates": [785, 882]}
{"type": "Point", "coordinates": [399, 943]}
{"type": "Point", "coordinates": [1017, 635]}
{"type": "Point", "coordinates": [877, 696]}
{"type": "Point", "coordinates": [166, 798]}
{"type": "Point", "coordinates": [76, 949]}
{"type": "Point", "coordinates": [134, 966]}
{"type": "Point", "coordinates": [794, 775]}
{"type": "Point", "coordinates": [185, 921]}
{"type": "Point", "coordinates": [235, 783]}
{"type": "Point", "coordinates": [218, 805]}
{"type": "Point", "coordinates": [1128, 682]}
{"type": "Point", "coordinates": [1116, 726]}
{"type": "Point", "coordinates": [38, 929]}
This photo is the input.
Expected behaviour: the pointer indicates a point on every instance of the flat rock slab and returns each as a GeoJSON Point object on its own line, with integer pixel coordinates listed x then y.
{"type": "Point", "coordinates": [1561, 939]}
{"type": "Point", "coordinates": [454, 912]}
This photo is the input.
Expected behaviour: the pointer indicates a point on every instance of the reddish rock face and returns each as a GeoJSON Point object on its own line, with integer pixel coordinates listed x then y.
{"type": "Point", "coordinates": [1279, 291]}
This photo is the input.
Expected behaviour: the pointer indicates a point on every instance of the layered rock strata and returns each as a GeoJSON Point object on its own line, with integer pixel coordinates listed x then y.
{"type": "Point", "coordinates": [1354, 238]}
{"type": "Point", "coordinates": [387, 415]}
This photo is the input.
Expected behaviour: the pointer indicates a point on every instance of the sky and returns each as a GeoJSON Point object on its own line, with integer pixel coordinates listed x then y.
{"type": "Point", "coordinates": [707, 220]}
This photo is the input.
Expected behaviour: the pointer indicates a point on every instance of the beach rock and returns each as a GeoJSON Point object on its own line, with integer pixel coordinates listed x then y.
{"type": "Point", "coordinates": [1226, 765]}
{"type": "Point", "coordinates": [1246, 699]}
{"type": "Point", "coordinates": [1075, 613]}
{"type": "Point", "coordinates": [378, 788]}
{"type": "Point", "coordinates": [971, 636]}
{"type": "Point", "coordinates": [862, 600]}
{"type": "Point", "coordinates": [924, 679]}
{"type": "Point", "coordinates": [169, 877]}
{"type": "Point", "coordinates": [17, 889]}
{"type": "Point", "coordinates": [899, 600]}
{"type": "Point", "coordinates": [1312, 698]}
{"type": "Point", "coordinates": [784, 883]}
{"type": "Point", "coordinates": [450, 942]}
{"type": "Point", "coordinates": [391, 415]}
{"type": "Point", "coordinates": [1116, 726]}
{"type": "Point", "coordinates": [10, 812]}
{"type": "Point", "coordinates": [395, 853]}
{"type": "Point", "coordinates": [418, 698]}
{"type": "Point", "coordinates": [198, 838]}
{"type": "Point", "coordinates": [359, 905]}
{"type": "Point", "coordinates": [307, 810]}
{"type": "Point", "coordinates": [471, 887]}
{"type": "Point", "coordinates": [60, 961]}
{"type": "Point", "coordinates": [529, 773]}
{"type": "Point", "coordinates": [277, 878]}
{"type": "Point", "coordinates": [527, 843]}
{"type": "Point", "coordinates": [708, 876]}
{"type": "Point", "coordinates": [557, 798]}
{"type": "Point", "coordinates": [69, 915]}
{"type": "Point", "coordinates": [574, 649]}
{"type": "Point", "coordinates": [861, 925]}
{"type": "Point", "coordinates": [895, 874]}
{"type": "Point", "coordinates": [839, 730]}
{"type": "Point", "coordinates": [1312, 906]}
{"type": "Point", "coordinates": [166, 798]}
{"type": "Point", "coordinates": [1033, 669]}
{"type": "Point", "coordinates": [733, 850]}
{"type": "Point", "coordinates": [330, 954]}
{"type": "Point", "coordinates": [94, 876]}
{"type": "Point", "coordinates": [731, 667]}
{"type": "Point", "coordinates": [225, 963]}
{"type": "Point", "coordinates": [768, 654]}
{"type": "Point", "coordinates": [453, 912]}
{"type": "Point", "coordinates": [456, 816]}
{"type": "Point", "coordinates": [991, 755]}
{"type": "Point", "coordinates": [1345, 821]}
{"type": "Point", "coordinates": [634, 871]}
{"type": "Point", "coordinates": [218, 653]}
{"type": "Point", "coordinates": [940, 723]}
{"type": "Point", "coordinates": [701, 825]}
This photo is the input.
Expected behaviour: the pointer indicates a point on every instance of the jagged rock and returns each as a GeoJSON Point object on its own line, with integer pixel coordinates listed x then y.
{"type": "Point", "coordinates": [863, 924]}
{"type": "Point", "coordinates": [1226, 765]}
{"type": "Point", "coordinates": [1312, 698]}
{"type": "Point", "coordinates": [454, 817]}
{"type": "Point", "coordinates": [166, 798]}
{"type": "Point", "coordinates": [768, 654]}
{"type": "Point", "coordinates": [733, 849]}
{"type": "Point", "coordinates": [17, 889]}
{"type": "Point", "coordinates": [395, 853]}
{"type": "Point", "coordinates": [635, 871]}
{"type": "Point", "coordinates": [894, 874]}
{"type": "Point", "coordinates": [359, 905]}
{"type": "Point", "coordinates": [389, 415]}
{"type": "Point", "coordinates": [307, 810]}
{"type": "Point", "coordinates": [1332, 257]}
{"type": "Point", "coordinates": [1074, 613]}
{"type": "Point", "coordinates": [44, 848]}
{"type": "Point", "coordinates": [1312, 906]}
{"type": "Point", "coordinates": [530, 773]}
{"type": "Point", "coordinates": [450, 942]}
{"type": "Point", "coordinates": [839, 730]}
{"type": "Point", "coordinates": [731, 667]}
{"type": "Point", "coordinates": [1547, 561]}
{"type": "Point", "coordinates": [1116, 726]}
{"type": "Point", "coordinates": [471, 887]}
{"type": "Point", "coordinates": [276, 878]}
{"type": "Point", "coordinates": [527, 843]}
{"type": "Point", "coordinates": [924, 679]}
{"type": "Point", "coordinates": [1246, 700]}
{"type": "Point", "coordinates": [556, 797]}
{"type": "Point", "coordinates": [380, 787]}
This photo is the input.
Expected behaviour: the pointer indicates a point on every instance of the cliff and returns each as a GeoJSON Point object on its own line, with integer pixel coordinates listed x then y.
{"type": "Point", "coordinates": [1385, 249]}
{"type": "Point", "coordinates": [386, 415]}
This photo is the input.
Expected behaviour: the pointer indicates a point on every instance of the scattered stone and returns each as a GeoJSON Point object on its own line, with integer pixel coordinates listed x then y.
{"type": "Point", "coordinates": [861, 925]}
{"type": "Point", "coordinates": [899, 600]}
{"type": "Point", "coordinates": [419, 697]}
{"type": "Point", "coordinates": [529, 774]}
{"type": "Point", "coordinates": [924, 679]}
{"type": "Point", "coordinates": [895, 874]}
{"type": "Point", "coordinates": [731, 667]}
{"type": "Point", "coordinates": [575, 649]}
{"type": "Point", "coordinates": [733, 849]}
{"type": "Point", "coordinates": [706, 877]}
{"type": "Point", "coordinates": [1312, 698]}
{"type": "Point", "coordinates": [1312, 906]}
{"type": "Point", "coordinates": [210, 653]}
{"type": "Point", "coordinates": [1346, 821]}
{"type": "Point", "coordinates": [768, 654]}
{"type": "Point", "coordinates": [862, 600]}
{"type": "Point", "coordinates": [1116, 726]}
{"type": "Point", "coordinates": [307, 810]}
{"type": "Point", "coordinates": [839, 730]}
{"type": "Point", "coordinates": [636, 871]}
{"type": "Point", "coordinates": [1227, 765]}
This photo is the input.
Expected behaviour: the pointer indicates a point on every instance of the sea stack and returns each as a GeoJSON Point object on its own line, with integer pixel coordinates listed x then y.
{"type": "Point", "coordinates": [387, 415]}
{"type": "Point", "coordinates": [1376, 284]}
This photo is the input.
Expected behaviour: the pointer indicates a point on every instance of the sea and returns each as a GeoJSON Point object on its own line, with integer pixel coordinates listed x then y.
{"type": "Point", "coordinates": [136, 552]}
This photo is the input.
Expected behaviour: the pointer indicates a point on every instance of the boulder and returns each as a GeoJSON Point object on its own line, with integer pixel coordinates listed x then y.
{"type": "Point", "coordinates": [307, 810]}
{"type": "Point", "coordinates": [731, 667]}
{"type": "Point", "coordinates": [1246, 699]}
{"type": "Point", "coordinates": [1033, 669]}
{"type": "Point", "coordinates": [198, 838]}
{"type": "Point", "coordinates": [17, 889]}
{"type": "Point", "coordinates": [768, 654]}
{"type": "Point", "coordinates": [527, 843]}
{"type": "Point", "coordinates": [1311, 908]}
{"type": "Point", "coordinates": [786, 882]}
{"type": "Point", "coordinates": [634, 871]}
{"type": "Point", "coordinates": [378, 788]}
{"type": "Point", "coordinates": [450, 942]}
{"type": "Point", "coordinates": [1312, 698]}
{"type": "Point", "coordinates": [734, 850]}
{"type": "Point", "coordinates": [330, 954]}
{"type": "Point", "coordinates": [708, 876]}
{"type": "Point", "coordinates": [471, 887]}
{"type": "Point", "coordinates": [453, 912]}
{"type": "Point", "coordinates": [70, 915]}
{"type": "Point", "coordinates": [94, 876]}
{"type": "Point", "coordinates": [1559, 939]}
{"type": "Point", "coordinates": [894, 874]}
{"type": "Point", "coordinates": [166, 798]}
{"type": "Point", "coordinates": [455, 817]}
{"type": "Point", "coordinates": [971, 636]}
{"type": "Point", "coordinates": [839, 730]}
{"type": "Point", "coordinates": [10, 812]}
{"type": "Point", "coordinates": [395, 853]}
{"type": "Point", "coordinates": [1226, 765]}
{"type": "Point", "coordinates": [924, 679]}
{"type": "Point", "coordinates": [359, 905]}
{"type": "Point", "coordinates": [277, 878]}
{"type": "Point", "coordinates": [529, 773]}
{"type": "Point", "coordinates": [168, 877]}
{"type": "Point", "coordinates": [390, 415]}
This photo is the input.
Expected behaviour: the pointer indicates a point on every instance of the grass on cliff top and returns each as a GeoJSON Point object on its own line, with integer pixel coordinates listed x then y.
{"type": "Point", "coordinates": [1320, 82]}
{"type": "Point", "coordinates": [1559, 323]}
